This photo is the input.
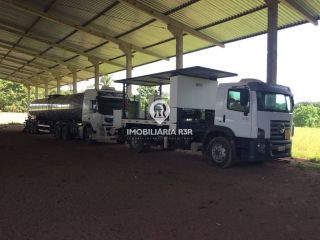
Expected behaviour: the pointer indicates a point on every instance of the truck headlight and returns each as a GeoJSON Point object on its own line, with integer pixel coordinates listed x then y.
{"type": "Point", "coordinates": [261, 133]}
{"type": "Point", "coordinates": [261, 147]}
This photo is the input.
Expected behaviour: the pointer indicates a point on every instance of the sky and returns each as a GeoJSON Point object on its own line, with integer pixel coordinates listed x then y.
{"type": "Point", "coordinates": [298, 61]}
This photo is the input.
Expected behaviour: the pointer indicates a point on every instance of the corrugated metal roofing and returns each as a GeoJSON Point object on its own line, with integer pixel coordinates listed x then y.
{"type": "Point", "coordinates": [30, 61]}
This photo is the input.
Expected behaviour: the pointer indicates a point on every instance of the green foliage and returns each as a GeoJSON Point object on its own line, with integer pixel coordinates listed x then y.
{"type": "Point", "coordinates": [13, 96]}
{"type": "Point", "coordinates": [106, 81]}
{"type": "Point", "coordinates": [143, 95]}
{"type": "Point", "coordinates": [307, 115]}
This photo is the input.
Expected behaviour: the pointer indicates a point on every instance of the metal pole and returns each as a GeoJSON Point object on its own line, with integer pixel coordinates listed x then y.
{"type": "Point", "coordinates": [178, 34]}
{"type": "Point", "coordinates": [74, 82]}
{"type": "Point", "coordinates": [129, 72]}
{"type": "Point", "coordinates": [96, 76]}
{"type": "Point", "coordinates": [272, 41]}
{"type": "Point", "coordinates": [124, 100]}
{"type": "Point", "coordinates": [96, 65]}
{"type": "Point", "coordinates": [28, 97]}
{"type": "Point", "coordinates": [128, 52]}
{"type": "Point", "coordinates": [58, 84]}
{"type": "Point", "coordinates": [46, 89]}
{"type": "Point", "coordinates": [36, 92]}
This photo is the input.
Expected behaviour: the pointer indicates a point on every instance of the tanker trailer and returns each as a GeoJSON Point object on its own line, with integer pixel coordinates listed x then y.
{"type": "Point", "coordinates": [87, 115]}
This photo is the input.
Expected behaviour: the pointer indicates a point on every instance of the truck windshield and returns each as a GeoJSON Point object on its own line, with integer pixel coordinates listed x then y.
{"type": "Point", "coordinates": [274, 102]}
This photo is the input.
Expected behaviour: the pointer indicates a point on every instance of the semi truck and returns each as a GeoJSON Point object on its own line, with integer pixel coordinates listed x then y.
{"type": "Point", "coordinates": [247, 120]}
{"type": "Point", "coordinates": [87, 115]}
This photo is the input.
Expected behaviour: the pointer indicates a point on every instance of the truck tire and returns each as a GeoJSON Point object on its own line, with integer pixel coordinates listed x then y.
{"type": "Point", "coordinates": [34, 128]}
{"type": "Point", "coordinates": [28, 126]}
{"type": "Point", "coordinates": [136, 144]}
{"type": "Point", "coordinates": [220, 152]}
{"type": "Point", "coordinates": [65, 133]}
{"type": "Point", "coordinates": [57, 131]}
{"type": "Point", "coordinates": [87, 135]}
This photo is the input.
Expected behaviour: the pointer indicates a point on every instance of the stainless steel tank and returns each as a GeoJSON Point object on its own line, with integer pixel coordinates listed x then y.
{"type": "Point", "coordinates": [58, 107]}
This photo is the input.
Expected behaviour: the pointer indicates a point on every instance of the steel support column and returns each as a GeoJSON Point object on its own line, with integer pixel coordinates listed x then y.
{"type": "Point", "coordinates": [272, 41]}
{"type": "Point", "coordinates": [74, 80]}
{"type": "Point", "coordinates": [178, 34]}
{"type": "Point", "coordinates": [28, 96]}
{"type": "Point", "coordinates": [58, 85]}
{"type": "Point", "coordinates": [128, 52]}
{"type": "Point", "coordinates": [96, 65]}
{"type": "Point", "coordinates": [46, 89]}
{"type": "Point", "coordinates": [36, 92]}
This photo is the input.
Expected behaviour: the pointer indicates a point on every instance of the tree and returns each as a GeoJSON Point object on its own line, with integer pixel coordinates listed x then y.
{"type": "Point", "coordinates": [14, 96]}
{"type": "Point", "coordinates": [106, 81]}
{"type": "Point", "coordinates": [307, 115]}
{"type": "Point", "coordinates": [143, 95]}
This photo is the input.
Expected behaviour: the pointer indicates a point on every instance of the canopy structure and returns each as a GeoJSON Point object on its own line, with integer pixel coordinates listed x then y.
{"type": "Point", "coordinates": [163, 78]}
{"type": "Point", "coordinates": [49, 43]}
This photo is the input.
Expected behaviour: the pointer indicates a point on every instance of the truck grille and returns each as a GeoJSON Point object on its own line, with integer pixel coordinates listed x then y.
{"type": "Point", "coordinates": [276, 126]}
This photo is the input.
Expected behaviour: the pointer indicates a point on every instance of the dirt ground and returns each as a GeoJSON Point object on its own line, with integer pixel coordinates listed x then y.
{"type": "Point", "coordinates": [51, 189]}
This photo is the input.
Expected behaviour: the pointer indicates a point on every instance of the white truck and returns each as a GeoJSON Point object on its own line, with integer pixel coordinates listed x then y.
{"type": "Point", "coordinates": [87, 115]}
{"type": "Point", "coordinates": [229, 122]}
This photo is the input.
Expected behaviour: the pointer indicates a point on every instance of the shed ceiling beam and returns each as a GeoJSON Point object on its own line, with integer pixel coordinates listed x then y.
{"type": "Point", "coordinates": [73, 25]}
{"type": "Point", "coordinates": [295, 6]}
{"type": "Point", "coordinates": [19, 32]}
{"type": "Point", "coordinates": [33, 71]}
{"type": "Point", "coordinates": [14, 79]}
{"type": "Point", "coordinates": [27, 64]}
{"type": "Point", "coordinates": [14, 68]}
{"type": "Point", "coordinates": [37, 55]}
{"type": "Point", "coordinates": [170, 21]}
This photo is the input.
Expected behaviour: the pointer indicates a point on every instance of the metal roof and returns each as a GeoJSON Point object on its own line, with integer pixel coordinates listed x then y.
{"type": "Point", "coordinates": [43, 38]}
{"type": "Point", "coordinates": [163, 78]}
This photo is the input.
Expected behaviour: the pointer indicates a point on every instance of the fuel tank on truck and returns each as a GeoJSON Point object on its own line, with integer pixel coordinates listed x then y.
{"type": "Point", "coordinates": [58, 107]}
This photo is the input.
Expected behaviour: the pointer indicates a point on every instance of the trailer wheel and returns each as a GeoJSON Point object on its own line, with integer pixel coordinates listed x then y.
{"type": "Point", "coordinates": [34, 128]}
{"type": "Point", "coordinates": [87, 135]}
{"type": "Point", "coordinates": [136, 144]}
{"type": "Point", "coordinates": [28, 127]}
{"type": "Point", "coordinates": [57, 131]}
{"type": "Point", "coordinates": [220, 152]}
{"type": "Point", "coordinates": [65, 133]}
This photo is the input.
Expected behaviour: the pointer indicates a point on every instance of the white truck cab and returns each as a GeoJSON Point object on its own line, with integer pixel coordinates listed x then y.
{"type": "Point", "coordinates": [247, 120]}
{"type": "Point", "coordinates": [258, 114]}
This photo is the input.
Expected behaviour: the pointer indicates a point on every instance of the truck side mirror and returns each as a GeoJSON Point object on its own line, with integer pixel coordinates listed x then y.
{"type": "Point", "coordinates": [93, 106]}
{"type": "Point", "coordinates": [244, 97]}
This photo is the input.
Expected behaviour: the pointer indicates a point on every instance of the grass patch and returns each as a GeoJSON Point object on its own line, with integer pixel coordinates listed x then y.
{"type": "Point", "coordinates": [308, 166]}
{"type": "Point", "coordinates": [306, 144]}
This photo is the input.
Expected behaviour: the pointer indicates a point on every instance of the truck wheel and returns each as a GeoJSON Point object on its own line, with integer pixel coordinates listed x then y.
{"type": "Point", "coordinates": [87, 135]}
{"type": "Point", "coordinates": [28, 127]}
{"type": "Point", "coordinates": [220, 152]}
{"type": "Point", "coordinates": [34, 128]}
{"type": "Point", "coordinates": [136, 144]}
{"type": "Point", "coordinates": [57, 131]}
{"type": "Point", "coordinates": [65, 133]}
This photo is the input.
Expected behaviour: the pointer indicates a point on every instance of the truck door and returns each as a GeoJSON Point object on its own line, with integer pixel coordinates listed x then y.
{"type": "Point", "coordinates": [236, 114]}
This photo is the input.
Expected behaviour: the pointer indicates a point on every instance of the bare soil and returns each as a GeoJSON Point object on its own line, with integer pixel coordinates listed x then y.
{"type": "Point", "coordinates": [51, 189]}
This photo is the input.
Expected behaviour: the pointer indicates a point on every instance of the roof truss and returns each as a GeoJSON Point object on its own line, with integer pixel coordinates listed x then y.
{"type": "Point", "coordinates": [170, 21]}
{"type": "Point", "coordinates": [295, 6]}
{"type": "Point", "coordinates": [105, 36]}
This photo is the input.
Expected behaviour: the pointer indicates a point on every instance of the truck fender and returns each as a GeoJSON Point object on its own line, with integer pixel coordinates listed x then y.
{"type": "Point", "coordinates": [216, 131]}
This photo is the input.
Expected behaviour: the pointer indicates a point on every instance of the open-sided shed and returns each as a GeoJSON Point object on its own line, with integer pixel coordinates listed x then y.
{"type": "Point", "coordinates": [49, 43]}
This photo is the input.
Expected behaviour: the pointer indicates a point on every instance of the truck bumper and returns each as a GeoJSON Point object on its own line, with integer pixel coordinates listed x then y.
{"type": "Point", "coordinates": [264, 149]}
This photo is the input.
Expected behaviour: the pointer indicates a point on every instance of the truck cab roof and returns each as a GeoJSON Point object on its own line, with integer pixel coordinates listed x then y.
{"type": "Point", "coordinates": [258, 85]}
